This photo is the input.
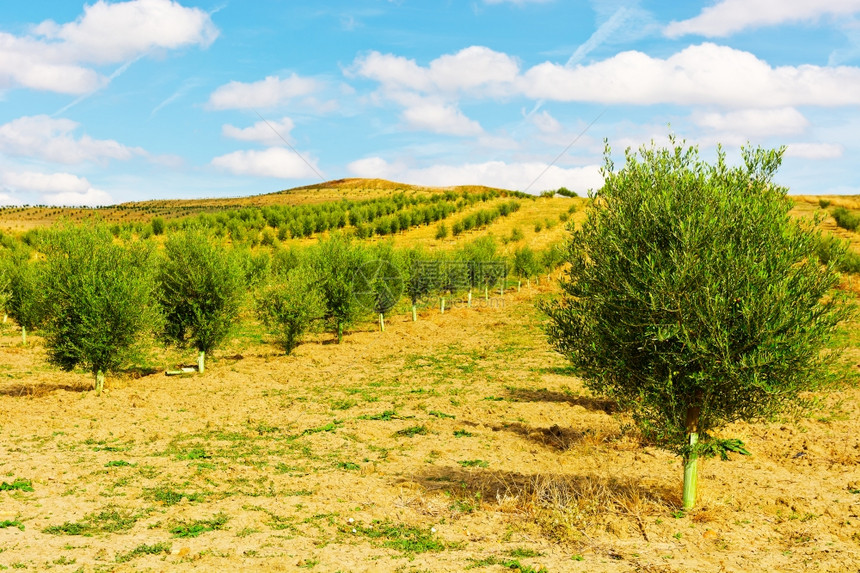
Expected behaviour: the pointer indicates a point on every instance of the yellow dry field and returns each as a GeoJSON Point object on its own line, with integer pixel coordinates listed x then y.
{"type": "Point", "coordinates": [458, 442]}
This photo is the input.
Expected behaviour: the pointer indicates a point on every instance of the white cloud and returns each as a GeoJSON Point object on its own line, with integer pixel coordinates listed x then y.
{"type": "Point", "coordinates": [814, 150]}
{"type": "Point", "coordinates": [492, 173]}
{"type": "Point", "coordinates": [475, 69]}
{"type": "Point", "coordinates": [271, 162]}
{"type": "Point", "coordinates": [750, 123]}
{"type": "Point", "coordinates": [546, 123]}
{"type": "Point", "coordinates": [90, 197]}
{"type": "Point", "coordinates": [703, 74]}
{"type": "Point", "coordinates": [440, 118]}
{"type": "Point", "coordinates": [54, 56]}
{"type": "Point", "coordinates": [50, 182]}
{"type": "Point", "coordinates": [44, 137]}
{"type": "Point", "coordinates": [730, 16]}
{"type": "Point", "coordinates": [261, 132]}
{"type": "Point", "coordinates": [266, 93]}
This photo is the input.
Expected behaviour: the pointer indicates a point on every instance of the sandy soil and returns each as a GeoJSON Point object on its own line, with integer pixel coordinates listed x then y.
{"type": "Point", "coordinates": [460, 441]}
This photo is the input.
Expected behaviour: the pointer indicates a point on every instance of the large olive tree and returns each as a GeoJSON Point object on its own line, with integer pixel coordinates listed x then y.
{"type": "Point", "coordinates": [694, 299]}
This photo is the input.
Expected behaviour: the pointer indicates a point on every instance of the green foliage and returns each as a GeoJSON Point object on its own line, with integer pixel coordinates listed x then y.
{"type": "Point", "coordinates": [824, 203]}
{"type": "Point", "coordinates": [441, 231]}
{"type": "Point", "coordinates": [846, 219]}
{"type": "Point", "coordinates": [157, 225]}
{"type": "Point", "coordinates": [380, 281]}
{"type": "Point", "coordinates": [336, 263]}
{"type": "Point", "coordinates": [419, 281]}
{"type": "Point", "coordinates": [833, 249]}
{"type": "Point", "coordinates": [525, 263]}
{"type": "Point", "coordinates": [290, 304]}
{"type": "Point", "coordinates": [143, 549]}
{"type": "Point", "coordinates": [565, 192]}
{"type": "Point", "coordinates": [26, 292]}
{"type": "Point", "coordinates": [201, 286]}
{"type": "Point", "coordinates": [692, 298]}
{"type": "Point", "coordinates": [19, 484]}
{"type": "Point", "coordinates": [100, 298]}
{"type": "Point", "coordinates": [405, 538]}
{"type": "Point", "coordinates": [200, 526]}
{"type": "Point", "coordinates": [549, 194]}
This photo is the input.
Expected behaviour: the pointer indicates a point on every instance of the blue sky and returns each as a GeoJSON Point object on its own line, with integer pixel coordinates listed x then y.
{"type": "Point", "coordinates": [108, 102]}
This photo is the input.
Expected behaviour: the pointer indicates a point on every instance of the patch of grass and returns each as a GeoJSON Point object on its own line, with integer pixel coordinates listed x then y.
{"type": "Point", "coordinates": [169, 496]}
{"type": "Point", "coordinates": [511, 564]}
{"type": "Point", "coordinates": [330, 427]}
{"type": "Point", "coordinates": [109, 520]}
{"type": "Point", "coordinates": [521, 552]}
{"type": "Point", "coordinates": [11, 523]}
{"type": "Point", "coordinates": [20, 484]}
{"type": "Point", "coordinates": [385, 416]}
{"type": "Point", "coordinates": [118, 464]}
{"type": "Point", "coordinates": [442, 415]}
{"type": "Point", "coordinates": [412, 431]}
{"type": "Point", "coordinates": [342, 404]}
{"type": "Point", "coordinates": [398, 536]}
{"type": "Point", "coordinates": [200, 526]}
{"type": "Point", "coordinates": [494, 398]}
{"type": "Point", "coordinates": [143, 549]}
{"type": "Point", "coordinates": [348, 466]}
{"type": "Point", "coordinates": [474, 463]}
{"type": "Point", "coordinates": [463, 434]}
{"type": "Point", "coordinates": [193, 454]}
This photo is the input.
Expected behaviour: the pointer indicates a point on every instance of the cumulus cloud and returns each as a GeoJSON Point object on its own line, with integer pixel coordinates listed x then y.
{"type": "Point", "coordinates": [51, 182]}
{"type": "Point", "coordinates": [266, 93]}
{"type": "Point", "coordinates": [272, 162]}
{"type": "Point", "coordinates": [58, 57]}
{"type": "Point", "coordinates": [44, 137]}
{"type": "Point", "coordinates": [702, 74]}
{"type": "Point", "coordinates": [267, 133]}
{"type": "Point", "coordinates": [516, 175]}
{"type": "Point", "coordinates": [814, 150]}
{"type": "Point", "coordinates": [90, 197]}
{"type": "Point", "coordinates": [440, 118]}
{"type": "Point", "coordinates": [472, 69]}
{"type": "Point", "coordinates": [730, 16]}
{"type": "Point", "coordinates": [750, 123]}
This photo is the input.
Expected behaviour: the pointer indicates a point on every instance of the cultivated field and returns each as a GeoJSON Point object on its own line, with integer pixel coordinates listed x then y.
{"type": "Point", "coordinates": [457, 442]}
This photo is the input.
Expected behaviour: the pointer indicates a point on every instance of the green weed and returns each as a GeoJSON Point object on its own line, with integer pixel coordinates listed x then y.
{"type": "Point", "coordinates": [143, 549]}
{"type": "Point", "coordinates": [200, 526]}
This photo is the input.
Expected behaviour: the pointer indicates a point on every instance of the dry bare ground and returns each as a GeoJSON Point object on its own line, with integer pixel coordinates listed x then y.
{"type": "Point", "coordinates": [457, 442]}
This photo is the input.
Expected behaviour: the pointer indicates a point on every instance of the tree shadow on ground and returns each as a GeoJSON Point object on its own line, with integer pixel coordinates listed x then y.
{"type": "Point", "coordinates": [558, 438]}
{"type": "Point", "coordinates": [543, 395]}
{"type": "Point", "coordinates": [41, 389]}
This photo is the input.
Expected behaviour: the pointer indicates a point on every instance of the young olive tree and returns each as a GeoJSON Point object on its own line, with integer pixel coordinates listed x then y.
{"type": "Point", "coordinates": [290, 303]}
{"type": "Point", "coordinates": [336, 263]}
{"type": "Point", "coordinates": [694, 299]}
{"type": "Point", "coordinates": [420, 279]}
{"type": "Point", "coordinates": [100, 299]}
{"type": "Point", "coordinates": [201, 286]}
{"type": "Point", "coordinates": [26, 298]}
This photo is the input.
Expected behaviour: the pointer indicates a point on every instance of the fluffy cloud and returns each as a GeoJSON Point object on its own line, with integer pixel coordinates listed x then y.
{"type": "Point", "coordinates": [730, 16]}
{"type": "Point", "coordinates": [261, 132]}
{"type": "Point", "coordinates": [814, 150]}
{"type": "Point", "coordinates": [703, 74]}
{"type": "Point", "coordinates": [754, 122]}
{"type": "Point", "coordinates": [44, 137]}
{"type": "Point", "coordinates": [266, 93]}
{"type": "Point", "coordinates": [471, 70]}
{"type": "Point", "coordinates": [272, 162]}
{"type": "Point", "coordinates": [55, 56]}
{"type": "Point", "coordinates": [492, 173]}
{"type": "Point", "coordinates": [90, 197]}
{"type": "Point", "coordinates": [440, 118]}
{"type": "Point", "coordinates": [50, 182]}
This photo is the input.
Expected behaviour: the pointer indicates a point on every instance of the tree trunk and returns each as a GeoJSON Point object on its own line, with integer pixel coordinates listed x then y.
{"type": "Point", "coordinates": [414, 314]}
{"type": "Point", "coordinates": [100, 382]}
{"type": "Point", "coordinates": [691, 460]}
{"type": "Point", "coordinates": [5, 317]}
{"type": "Point", "coordinates": [487, 293]}
{"type": "Point", "coordinates": [24, 335]}
{"type": "Point", "coordinates": [339, 332]}
{"type": "Point", "coordinates": [201, 362]}
{"type": "Point", "coordinates": [470, 298]}
{"type": "Point", "coordinates": [442, 306]}
{"type": "Point", "coordinates": [519, 285]}
{"type": "Point", "coordinates": [381, 322]}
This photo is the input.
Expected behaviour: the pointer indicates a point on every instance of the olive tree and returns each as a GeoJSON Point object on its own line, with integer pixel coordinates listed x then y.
{"type": "Point", "coordinates": [694, 299]}
{"type": "Point", "coordinates": [380, 280]}
{"type": "Point", "coordinates": [100, 299]}
{"type": "Point", "coordinates": [336, 263]}
{"type": "Point", "coordinates": [420, 276]}
{"type": "Point", "coordinates": [26, 294]}
{"type": "Point", "coordinates": [290, 304]}
{"type": "Point", "coordinates": [201, 286]}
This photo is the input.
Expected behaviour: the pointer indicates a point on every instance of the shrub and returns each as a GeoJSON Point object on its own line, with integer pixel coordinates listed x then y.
{"type": "Point", "coordinates": [380, 281]}
{"type": "Point", "coordinates": [549, 194]}
{"type": "Point", "coordinates": [846, 219]}
{"type": "Point", "coordinates": [824, 203]}
{"type": "Point", "coordinates": [525, 264]}
{"type": "Point", "coordinates": [290, 304]}
{"type": "Point", "coordinates": [26, 299]}
{"type": "Point", "coordinates": [100, 299]}
{"type": "Point", "coordinates": [157, 225]}
{"type": "Point", "coordinates": [693, 299]}
{"type": "Point", "coordinates": [441, 231]}
{"type": "Point", "coordinates": [200, 289]}
{"type": "Point", "coordinates": [517, 235]}
{"type": "Point", "coordinates": [336, 263]}
{"type": "Point", "coordinates": [565, 192]}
